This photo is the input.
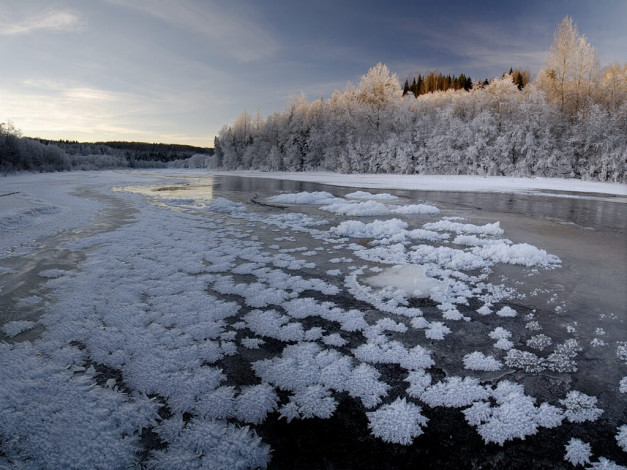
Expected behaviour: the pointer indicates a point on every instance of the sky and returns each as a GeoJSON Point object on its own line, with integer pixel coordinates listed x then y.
{"type": "Point", "coordinates": [177, 71]}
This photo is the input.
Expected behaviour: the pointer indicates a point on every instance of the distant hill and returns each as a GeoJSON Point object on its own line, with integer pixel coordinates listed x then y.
{"type": "Point", "coordinates": [19, 153]}
{"type": "Point", "coordinates": [142, 151]}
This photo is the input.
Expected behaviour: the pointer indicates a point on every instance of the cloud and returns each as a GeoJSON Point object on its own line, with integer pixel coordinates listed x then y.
{"type": "Point", "coordinates": [481, 46]}
{"type": "Point", "coordinates": [66, 109]}
{"type": "Point", "coordinates": [59, 21]}
{"type": "Point", "coordinates": [239, 35]}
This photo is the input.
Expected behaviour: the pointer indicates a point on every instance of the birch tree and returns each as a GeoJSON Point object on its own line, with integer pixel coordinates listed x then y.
{"type": "Point", "coordinates": [571, 67]}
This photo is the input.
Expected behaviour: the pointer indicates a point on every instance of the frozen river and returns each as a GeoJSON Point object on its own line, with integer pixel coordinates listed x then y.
{"type": "Point", "coordinates": [168, 310]}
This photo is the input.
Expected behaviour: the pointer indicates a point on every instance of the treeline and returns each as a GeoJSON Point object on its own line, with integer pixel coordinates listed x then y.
{"type": "Point", "coordinates": [19, 153]}
{"type": "Point", "coordinates": [571, 121]}
{"type": "Point", "coordinates": [434, 81]}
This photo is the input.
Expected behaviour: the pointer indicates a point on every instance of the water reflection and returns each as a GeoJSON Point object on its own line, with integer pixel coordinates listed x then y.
{"type": "Point", "coordinates": [599, 213]}
{"type": "Point", "coordinates": [198, 190]}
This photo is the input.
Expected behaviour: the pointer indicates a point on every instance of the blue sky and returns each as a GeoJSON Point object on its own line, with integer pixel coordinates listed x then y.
{"type": "Point", "coordinates": [178, 70]}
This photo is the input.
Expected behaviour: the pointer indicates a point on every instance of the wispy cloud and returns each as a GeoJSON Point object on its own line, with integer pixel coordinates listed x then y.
{"type": "Point", "coordinates": [237, 35]}
{"type": "Point", "coordinates": [55, 109]}
{"type": "Point", "coordinates": [482, 46]}
{"type": "Point", "coordinates": [58, 21]}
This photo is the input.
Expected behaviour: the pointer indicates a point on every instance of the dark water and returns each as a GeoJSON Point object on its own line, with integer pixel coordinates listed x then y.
{"type": "Point", "coordinates": [600, 213]}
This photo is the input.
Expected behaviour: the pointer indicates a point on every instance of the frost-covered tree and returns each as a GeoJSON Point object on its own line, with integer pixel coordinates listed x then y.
{"type": "Point", "coordinates": [571, 67]}
{"type": "Point", "coordinates": [379, 92]}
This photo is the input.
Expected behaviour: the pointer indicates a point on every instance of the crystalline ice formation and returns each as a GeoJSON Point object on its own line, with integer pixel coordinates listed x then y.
{"type": "Point", "coordinates": [399, 422]}
{"type": "Point", "coordinates": [580, 407]}
{"type": "Point", "coordinates": [577, 452]}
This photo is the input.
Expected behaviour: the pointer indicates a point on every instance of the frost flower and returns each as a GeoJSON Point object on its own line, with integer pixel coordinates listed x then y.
{"type": "Point", "coordinates": [621, 437]}
{"type": "Point", "coordinates": [398, 423]}
{"type": "Point", "coordinates": [577, 452]}
{"type": "Point", "coordinates": [479, 361]}
{"type": "Point", "coordinates": [580, 407]}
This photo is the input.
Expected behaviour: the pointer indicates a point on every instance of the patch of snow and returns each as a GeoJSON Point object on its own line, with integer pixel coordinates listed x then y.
{"type": "Point", "coordinates": [359, 209]}
{"type": "Point", "coordinates": [376, 229]}
{"type": "Point", "coordinates": [493, 229]}
{"type": "Point", "coordinates": [313, 198]}
{"type": "Point", "coordinates": [416, 209]}
{"type": "Point", "coordinates": [367, 195]}
{"type": "Point", "coordinates": [410, 278]}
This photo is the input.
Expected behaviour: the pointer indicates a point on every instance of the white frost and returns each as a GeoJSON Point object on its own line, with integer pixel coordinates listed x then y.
{"type": "Point", "coordinates": [577, 452]}
{"type": "Point", "coordinates": [399, 422]}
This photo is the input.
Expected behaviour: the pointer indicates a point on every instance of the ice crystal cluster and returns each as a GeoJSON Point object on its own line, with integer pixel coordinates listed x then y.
{"type": "Point", "coordinates": [580, 407]}
{"type": "Point", "coordinates": [577, 452]}
{"type": "Point", "coordinates": [479, 361]}
{"type": "Point", "coordinates": [621, 437]}
{"type": "Point", "coordinates": [398, 422]}
{"type": "Point", "coordinates": [514, 416]}
{"type": "Point", "coordinates": [16, 327]}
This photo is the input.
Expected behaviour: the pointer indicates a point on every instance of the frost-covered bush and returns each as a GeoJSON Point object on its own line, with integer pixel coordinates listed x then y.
{"type": "Point", "coordinates": [398, 422]}
{"type": "Point", "coordinates": [622, 385]}
{"type": "Point", "coordinates": [577, 452]}
{"type": "Point", "coordinates": [580, 407]}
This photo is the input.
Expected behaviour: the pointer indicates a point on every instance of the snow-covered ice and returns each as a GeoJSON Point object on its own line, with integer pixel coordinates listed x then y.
{"type": "Point", "coordinates": [198, 320]}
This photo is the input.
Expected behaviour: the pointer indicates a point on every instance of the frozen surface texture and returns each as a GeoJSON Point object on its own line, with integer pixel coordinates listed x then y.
{"type": "Point", "coordinates": [186, 335]}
